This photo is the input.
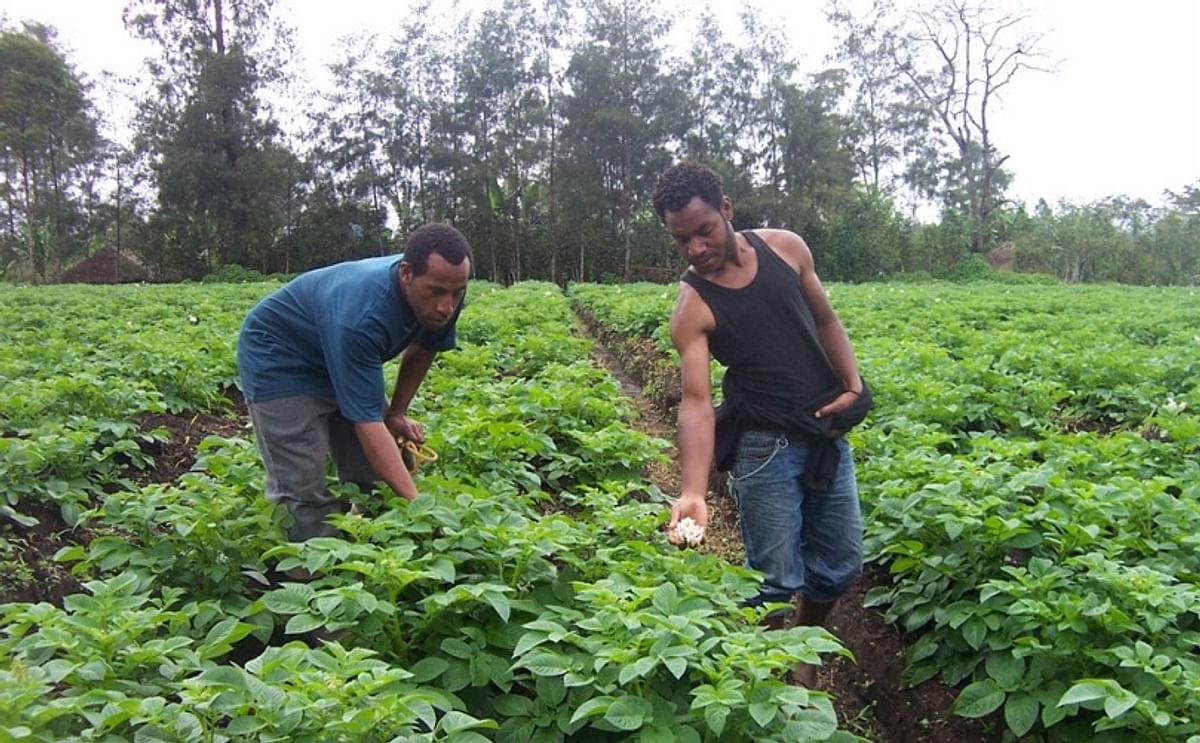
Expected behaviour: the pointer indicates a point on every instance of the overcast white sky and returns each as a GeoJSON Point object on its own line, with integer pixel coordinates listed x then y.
{"type": "Point", "coordinates": [1120, 116]}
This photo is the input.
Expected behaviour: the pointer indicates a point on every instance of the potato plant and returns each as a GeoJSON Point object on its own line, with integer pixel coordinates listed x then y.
{"type": "Point", "coordinates": [528, 595]}
{"type": "Point", "coordinates": [1030, 476]}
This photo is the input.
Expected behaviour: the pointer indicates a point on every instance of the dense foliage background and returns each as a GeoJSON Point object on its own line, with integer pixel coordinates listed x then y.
{"type": "Point", "coordinates": [537, 127]}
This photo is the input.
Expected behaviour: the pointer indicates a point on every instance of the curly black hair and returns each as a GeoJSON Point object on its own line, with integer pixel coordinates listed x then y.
{"type": "Point", "coordinates": [682, 182]}
{"type": "Point", "coordinates": [442, 239]}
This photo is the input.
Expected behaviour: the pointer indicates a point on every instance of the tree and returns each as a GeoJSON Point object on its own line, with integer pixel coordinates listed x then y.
{"type": "Point", "coordinates": [885, 126]}
{"type": "Point", "coordinates": [618, 115]}
{"type": "Point", "coordinates": [350, 135]}
{"type": "Point", "coordinates": [717, 81]}
{"type": "Point", "coordinates": [866, 239]}
{"type": "Point", "coordinates": [957, 57]}
{"type": "Point", "coordinates": [941, 67]}
{"type": "Point", "coordinates": [48, 141]}
{"type": "Point", "coordinates": [502, 110]}
{"type": "Point", "coordinates": [422, 140]}
{"type": "Point", "coordinates": [214, 150]}
{"type": "Point", "coordinates": [551, 26]}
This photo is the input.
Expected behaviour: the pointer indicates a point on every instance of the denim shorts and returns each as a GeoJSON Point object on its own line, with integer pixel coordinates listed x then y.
{"type": "Point", "coordinates": [811, 544]}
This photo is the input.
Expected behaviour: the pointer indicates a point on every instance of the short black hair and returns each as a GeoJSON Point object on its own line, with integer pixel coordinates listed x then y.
{"type": "Point", "coordinates": [442, 239]}
{"type": "Point", "coordinates": [682, 182]}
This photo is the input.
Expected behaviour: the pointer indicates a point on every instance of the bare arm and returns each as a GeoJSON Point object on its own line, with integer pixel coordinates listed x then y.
{"type": "Point", "coordinates": [414, 365]}
{"type": "Point", "coordinates": [384, 457]}
{"type": "Point", "coordinates": [689, 332]}
{"type": "Point", "coordinates": [834, 340]}
{"type": "Point", "coordinates": [378, 438]}
{"type": "Point", "coordinates": [830, 333]}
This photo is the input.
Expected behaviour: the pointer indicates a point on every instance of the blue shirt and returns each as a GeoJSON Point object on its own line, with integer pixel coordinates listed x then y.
{"type": "Point", "coordinates": [328, 333]}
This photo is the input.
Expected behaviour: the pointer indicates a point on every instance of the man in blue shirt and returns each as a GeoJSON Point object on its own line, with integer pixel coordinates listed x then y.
{"type": "Point", "coordinates": [310, 359]}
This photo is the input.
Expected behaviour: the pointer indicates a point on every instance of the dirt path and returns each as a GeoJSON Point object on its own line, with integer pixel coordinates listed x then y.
{"type": "Point", "coordinates": [867, 694]}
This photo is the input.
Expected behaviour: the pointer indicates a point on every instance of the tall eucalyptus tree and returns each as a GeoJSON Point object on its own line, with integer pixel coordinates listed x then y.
{"type": "Point", "coordinates": [618, 114]}
{"type": "Point", "coordinates": [48, 142]}
{"type": "Point", "coordinates": [214, 148]}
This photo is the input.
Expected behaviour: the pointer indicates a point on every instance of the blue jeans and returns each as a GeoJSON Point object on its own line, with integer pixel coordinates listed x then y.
{"type": "Point", "coordinates": [804, 543]}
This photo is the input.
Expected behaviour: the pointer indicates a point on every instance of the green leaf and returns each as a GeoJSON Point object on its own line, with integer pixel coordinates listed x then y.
{"type": "Point", "coordinates": [513, 705]}
{"type": "Point", "coordinates": [1084, 691]}
{"type": "Point", "coordinates": [73, 553]}
{"type": "Point", "coordinates": [244, 725]}
{"type": "Point", "coordinates": [442, 567]}
{"type": "Point", "coordinates": [638, 669]}
{"type": "Point", "coordinates": [1025, 541]}
{"type": "Point", "coordinates": [500, 603]}
{"type": "Point", "coordinates": [974, 631]}
{"type": "Point", "coordinates": [1119, 702]}
{"type": "Point", "coordinates": [763, 713]}
{"type": "Point", "coordinates": [225, 676]}
{"type": "Point", "coordinates": [657, 734]}
{"type": "Point", "coordinates": [1005, 668]}
{"type": "Point", "coordinates": [456, 648]}
{"type": "Point", "coordinates": [291, 599]}
{"type": "Point", "coordinates": [677, 666]}
{"type": "Point", "coordinates": [302, 623]}
{"type": "Point", "coordinates": [979, 699]}
{"type": "Point", "coordinates": [456, 722]}
{"type": "Point", "coordinates": [715, 715]}
{"type": "Point", "coordinates": [665, 598]}
{"type": "Point", "coordinates": [811, 724]}
{"type": "Point", "coordinates": [95, 670]}
{"type": "Point", "coordinates": [227, 631]}
{"type": "Point", "coordinates": [546, 663]}
{"type": "Point", "coordinates": [551, 690]}
{"type": "Point", "coordinates": [429, 668]}
{"type": "Point", "coordinates": [591, 707]}
{"type": "Point", "coordinates": [528, 641]}
{"type": "Point", "coordinates": [22, 519]}
{"type": "Point", "coordinates": [629, 713]}
{"type": "Point", "coordinates": [1020, 713]}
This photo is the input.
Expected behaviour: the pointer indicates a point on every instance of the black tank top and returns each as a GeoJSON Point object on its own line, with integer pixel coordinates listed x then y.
{"type": "Point", "coordinates": [767, 338]}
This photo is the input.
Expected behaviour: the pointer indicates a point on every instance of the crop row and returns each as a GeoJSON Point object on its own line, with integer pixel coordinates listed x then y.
{"type": "Point", "coordinates": [1031, 482]}
{"type": "Point", "coordinates": [528, 595]}
{"type": "Point", "coordinates": [82, 365]}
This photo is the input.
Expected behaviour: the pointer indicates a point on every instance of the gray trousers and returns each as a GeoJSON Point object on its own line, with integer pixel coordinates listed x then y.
{"type": "Point", "coordinates": [296, 436]}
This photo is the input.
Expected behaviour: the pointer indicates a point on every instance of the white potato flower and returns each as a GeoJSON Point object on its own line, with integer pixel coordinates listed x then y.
{"type": "Point", "coordinates": [1175, 406]}
{"type": "Point", "coordinates": [691, 532]}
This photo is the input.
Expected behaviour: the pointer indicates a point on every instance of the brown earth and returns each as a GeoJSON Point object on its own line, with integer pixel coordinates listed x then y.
{"type": "Point", "coordinates": [868, 693]}
{"type": "Point", "coordinates": [32, 573]}
{"type": "Point", "coordinates": [106, 267]}
{"type": "Point", "coordinates": [184, 433]}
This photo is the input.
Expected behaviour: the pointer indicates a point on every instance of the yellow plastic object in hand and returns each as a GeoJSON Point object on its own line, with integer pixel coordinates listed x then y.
{"type": "Point", "coordinates": [413, 454]}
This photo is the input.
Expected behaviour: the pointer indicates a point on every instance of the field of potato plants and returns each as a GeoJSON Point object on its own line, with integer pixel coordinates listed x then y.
{"type": "Point", "coordinates": [528, 595]}
{"type": "Point", "coordinates": [1031, 483]}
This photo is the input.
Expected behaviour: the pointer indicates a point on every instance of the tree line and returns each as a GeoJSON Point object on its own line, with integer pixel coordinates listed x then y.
{"type": "Point", "coordinates": [537, 127]}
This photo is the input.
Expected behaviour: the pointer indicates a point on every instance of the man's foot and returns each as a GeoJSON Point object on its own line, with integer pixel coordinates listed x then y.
{"type": "Point", "coordinates": [809, 614]}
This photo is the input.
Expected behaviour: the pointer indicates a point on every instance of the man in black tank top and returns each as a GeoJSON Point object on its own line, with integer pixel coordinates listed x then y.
{"type": "Point", "coordinates": [753, 301]}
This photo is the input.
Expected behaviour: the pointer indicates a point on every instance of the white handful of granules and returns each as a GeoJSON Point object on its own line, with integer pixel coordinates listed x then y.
{"type": "Point", "coordinates": [689, 531]}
